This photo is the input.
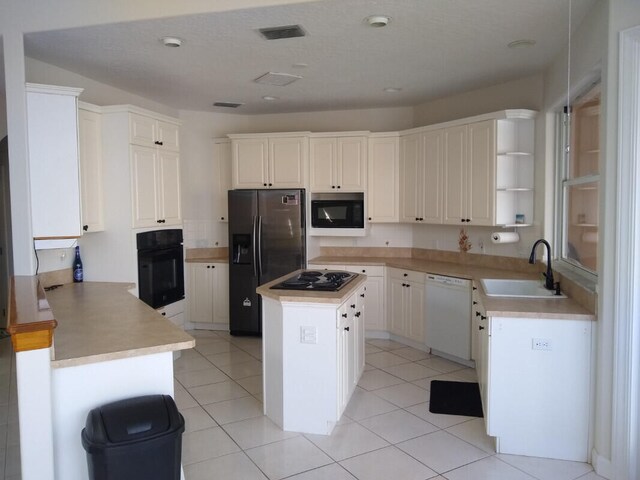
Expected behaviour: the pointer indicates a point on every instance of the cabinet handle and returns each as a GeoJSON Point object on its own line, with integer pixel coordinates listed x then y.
{"type": "Point", "coordinates": [158, 221]}
{"type": "Point", "coordinates": [346, 328]}
{"type": "Point", "coordinates": [85, 228]}
{"type": "Point", "coordinates": [357, 314]}
{"type": "Point", "coordinates": [480, 327]}
{"type": "Point", "coordinates": [344, 315]}
{"type": "Point", "coordinates": [353, 305]}
{"type": "Point", "coordinates": [157, 142]}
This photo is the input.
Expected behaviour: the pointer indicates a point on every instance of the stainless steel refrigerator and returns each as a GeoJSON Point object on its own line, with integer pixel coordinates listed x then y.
{"type": "Point", "coordinates": [266, 241]}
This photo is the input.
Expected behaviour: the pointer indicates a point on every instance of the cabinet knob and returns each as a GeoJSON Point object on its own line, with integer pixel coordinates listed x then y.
{"type": "Point", "coordinates": [482, 317]}
{"type": "Point", "coordinates": [406, 274]}
{"type": "Point", "coordinates": [408, 285]}
{"type": "Point", "coordinates": [164, 314]}
{"type": "Point", "coordinates": [475, 303]}
{"type": "Point", "coordinates": [353, 305]}
{"type": "Point", "coordinates": [221, 218]}
{"type": "Point", "coordinates": [404, 284]}
{"type": "Point", "coordinates": [158, 221]}
{"type": "Point", "coordinates": [480, 327]}
{"type": "Point", "coordinates": [271, 184]}
{"type": "Point", "coordinates": [357, 314]}
{"type": "Point", "coordinates": [421, 219]}
{"type": "Point", "coordinates": [417, 219]}
{"type": "Point", "coordinates": [369, 218]}
{"type": "Point", "coordinates": [478, 313]}
{"type": "Point", "coordinates": [213, 266]}
{"type": "Point", "coordinates": [344, 315]}
{"type": "Point", "coordinates": [264, 184]}
{"type": "Point", "coordinates": [468, 220]}
{"type": "Point", "coordinates": [333, 186]}
{"type": "Point", "coordinates": [338, 186]}
{"type": "Point", "coordinates": [157, 142]}
{"type": "Point", "coordinates": [85, 228]}
{"type": "Point", "coordinates": [362, 295]}
{"type": "Point", "coordinates": [346, 328]}
{"type": "Point", "coordinates": [475, 288]}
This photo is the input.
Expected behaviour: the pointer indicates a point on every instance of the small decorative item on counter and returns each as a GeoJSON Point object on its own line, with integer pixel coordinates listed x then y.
{"type": "Point", "coordinates": [463, 241]}
{"type": "Point", "coordinates": [77, 267]}
{"type": "Point", "coordinates": [519, 218]}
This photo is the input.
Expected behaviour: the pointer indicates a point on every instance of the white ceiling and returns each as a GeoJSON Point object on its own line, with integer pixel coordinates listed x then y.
{"type": "Point", "coordinates": [430, 49]}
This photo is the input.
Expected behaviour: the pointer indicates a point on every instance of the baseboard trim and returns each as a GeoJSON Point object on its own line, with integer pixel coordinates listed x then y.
{"type": "Point", "coordinates": [601, 465]}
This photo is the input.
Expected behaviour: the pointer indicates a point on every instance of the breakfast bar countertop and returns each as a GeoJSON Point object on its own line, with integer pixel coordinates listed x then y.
{"type": "Point", "coordinates": [100, 321]}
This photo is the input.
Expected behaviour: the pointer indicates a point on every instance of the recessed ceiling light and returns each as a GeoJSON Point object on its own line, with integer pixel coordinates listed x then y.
{"type": "Point", "coordinates": [270, 98]}
{"type": "Point", "coordinates": [392, 90]}
{"type": "Point", "coordinates": [377, 21]}
{"type": "Point", "coordinates": [523, 43]}
{"type": "Point", "coordinates": [173, 42]}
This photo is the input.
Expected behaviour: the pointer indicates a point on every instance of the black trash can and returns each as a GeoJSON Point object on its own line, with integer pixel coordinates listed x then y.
{"type": "Point", "coordinates": [135, 439]}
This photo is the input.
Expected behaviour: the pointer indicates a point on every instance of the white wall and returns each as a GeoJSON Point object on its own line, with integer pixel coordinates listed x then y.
{"type": "Point", "coordinates": [525, 92]}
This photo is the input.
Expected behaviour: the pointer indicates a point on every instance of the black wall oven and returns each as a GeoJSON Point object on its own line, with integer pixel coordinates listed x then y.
{"type": "Point", "coordinates": [160, 267]}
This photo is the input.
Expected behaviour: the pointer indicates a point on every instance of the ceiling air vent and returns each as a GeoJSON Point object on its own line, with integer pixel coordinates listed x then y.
{"type": "Point", "coordinates": [277, 79]}
{"type": "Point", "coordinates": [227, 104]}
{"type": "Point", "coordinates": [286, 31]}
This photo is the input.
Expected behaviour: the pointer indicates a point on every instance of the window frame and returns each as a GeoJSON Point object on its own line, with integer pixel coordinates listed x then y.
{"type": "Point", "coordinates": [562, 186]}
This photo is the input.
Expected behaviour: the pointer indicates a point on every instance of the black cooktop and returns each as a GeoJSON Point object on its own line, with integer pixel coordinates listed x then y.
{"type": "Point", "coordinates": [327, 281]}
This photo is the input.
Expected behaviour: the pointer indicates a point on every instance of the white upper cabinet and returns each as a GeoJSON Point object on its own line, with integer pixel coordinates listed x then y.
{"type": "Point", "coordinates": [90, 153]}
{"type": "Point", "coordinates": [338, 163]}
{"type": "Point", "coordinates": [222, 161]}
{"type": "Point", "coordinates": [155, 172]}
{"type": "Point", "coordinates": [52, 125]}
{"type": "Point", "coordinates": [421, 177]}
{"type": "Point", "coordinates": [382, 184]}
{"type": "Point", "coordinates": [269, 161]}
{"type": "Point", "coordinates": [149, 132]}
{"type": "Point", "coordinates": [469, 172]}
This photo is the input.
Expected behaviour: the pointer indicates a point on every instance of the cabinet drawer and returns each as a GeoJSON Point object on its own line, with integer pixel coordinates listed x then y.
{"type": "Point", "coordinates": [408, 275]}
{"type": "Point", "coordinates": [368, 270]}
{"type": "Point", "coordinates": [172, 309]}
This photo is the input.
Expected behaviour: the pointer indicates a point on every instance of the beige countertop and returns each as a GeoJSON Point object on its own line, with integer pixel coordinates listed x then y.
{"type": "Point", "coordinates": [300, 296]}
{"type": "Point", "coordinates": [99, 321]}
{"type": "Point", "coordinates": [207, 260]}
{"type": "Point", "coordinates": [565, 308]}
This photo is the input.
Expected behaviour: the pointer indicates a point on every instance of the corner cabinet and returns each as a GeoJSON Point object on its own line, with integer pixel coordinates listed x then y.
{"type": "Point", "coordinates": [207, 295]}
{"type": "Point", "coordinates": [383, 178]}
{"type": "Point", "coordinates": [338, 163]}
{"type": "Point", "coordinates": [90, 154]}
{"type": "Point", "coordinates": [269, 160]}
{"type": "Point", "coordinates": [52, 126]}
{"type": "Point", "coordinates": [222, 167]}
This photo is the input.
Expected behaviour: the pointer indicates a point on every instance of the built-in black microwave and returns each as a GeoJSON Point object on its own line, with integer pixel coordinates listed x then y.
{"type": "Point", "coordinates": [337, 210]}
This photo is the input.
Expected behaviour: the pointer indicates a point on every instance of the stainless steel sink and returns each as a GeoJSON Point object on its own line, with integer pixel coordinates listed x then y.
{"type": "Point", "coordinates": [494, 287]}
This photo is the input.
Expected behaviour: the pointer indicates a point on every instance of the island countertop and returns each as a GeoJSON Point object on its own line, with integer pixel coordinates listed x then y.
{"type": "Point", "coordinates": [309, 296]}
{"type": "Point", "coordinates": [100, 321]}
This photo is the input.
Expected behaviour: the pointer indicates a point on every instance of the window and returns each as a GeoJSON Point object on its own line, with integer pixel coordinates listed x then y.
{"type": "Point", "coordinates": [579, 182]}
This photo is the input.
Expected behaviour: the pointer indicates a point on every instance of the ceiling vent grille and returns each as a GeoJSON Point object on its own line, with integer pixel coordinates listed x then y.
{"type": "Point", "coordinates": [277, 79]}
{"type": "Point", "coordinates": [227, 104]}
{"type": "Point", "coordinates": [286, 31]}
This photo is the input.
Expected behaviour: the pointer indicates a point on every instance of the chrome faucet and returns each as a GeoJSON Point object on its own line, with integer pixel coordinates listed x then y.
{"type": "Point", "coordinates": [549, 284]}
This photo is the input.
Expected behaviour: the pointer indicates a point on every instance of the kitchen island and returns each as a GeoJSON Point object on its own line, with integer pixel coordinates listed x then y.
{"type": "Point", "coordinates": [313, 354]}
{"type": "Point", "coordinates": [107, 346]}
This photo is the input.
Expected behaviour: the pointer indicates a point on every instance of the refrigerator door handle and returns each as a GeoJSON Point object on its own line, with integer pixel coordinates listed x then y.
{"type": "Point", "coordinates": [254, 245]}
{"type": "Point", "coordinates": [259, 244]}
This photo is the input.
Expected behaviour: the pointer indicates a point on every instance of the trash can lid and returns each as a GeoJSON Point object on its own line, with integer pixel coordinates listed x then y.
{"type": "Point", "coordinates": [132, 419]}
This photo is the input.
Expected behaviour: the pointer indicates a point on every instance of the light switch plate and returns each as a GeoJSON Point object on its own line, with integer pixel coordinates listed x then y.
{"type": "Point", "coordinates": [541, 344]}
{"type": "Point", "coordinates": [308, 335]}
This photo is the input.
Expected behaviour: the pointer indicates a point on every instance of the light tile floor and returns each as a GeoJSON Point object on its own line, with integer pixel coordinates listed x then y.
{"type": "Point", "coordinates": [387, 431]}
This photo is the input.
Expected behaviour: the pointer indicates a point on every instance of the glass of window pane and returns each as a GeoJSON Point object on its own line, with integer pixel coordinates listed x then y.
{"type": "Point", "coordinates": [582, 227]}
{"type": "Point", "coordinates": [585, 137]}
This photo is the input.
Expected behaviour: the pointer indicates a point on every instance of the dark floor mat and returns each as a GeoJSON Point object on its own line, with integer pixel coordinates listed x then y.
{"type": "Point", "coordinates": [455, 398]}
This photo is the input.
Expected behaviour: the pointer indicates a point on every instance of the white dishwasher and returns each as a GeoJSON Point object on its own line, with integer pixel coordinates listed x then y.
{"type": "Point", "coordinates": [448, 315]}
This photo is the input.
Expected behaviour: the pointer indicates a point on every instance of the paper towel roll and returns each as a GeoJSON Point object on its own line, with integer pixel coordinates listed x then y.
{"type": "Point", "coordinates": [505, 237]}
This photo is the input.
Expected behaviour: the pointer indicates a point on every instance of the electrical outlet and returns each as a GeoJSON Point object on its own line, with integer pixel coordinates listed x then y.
{"type": "Point", "coordinates": [541, 344]}
{"type": "Point", "coordinates": [308, 335]}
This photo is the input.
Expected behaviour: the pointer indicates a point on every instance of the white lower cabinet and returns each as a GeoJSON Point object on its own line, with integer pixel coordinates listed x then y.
{"type": "Point", "coordinates": [174, 312]}
{"type": "Point", "coordinates": [208, 295]}
{"type": "Point", "coordinates": [405, 300]}
{"type": "Point", "coordinates": [535, 383]}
